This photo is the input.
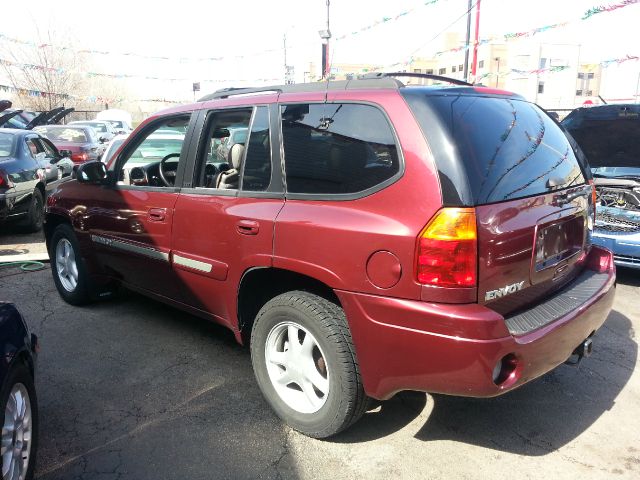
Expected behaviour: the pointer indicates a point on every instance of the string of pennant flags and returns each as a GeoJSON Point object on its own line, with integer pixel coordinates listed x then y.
{"type": "Point", "coordinates": [60, 71]}
{"type": "Point", "coordinates": [88, 98]}
{"type": "Point", "coordinates": [382, 21]}
{"type": "Point", "coordinates": [99, 99]}
{"type": "Point", "coordinates": [530, 33]}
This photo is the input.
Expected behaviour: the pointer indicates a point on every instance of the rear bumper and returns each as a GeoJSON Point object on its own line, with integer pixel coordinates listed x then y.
{"type": "Point", "coordinates": [625, 247]}
{"type": "Point", "coordinates": [453, 349]}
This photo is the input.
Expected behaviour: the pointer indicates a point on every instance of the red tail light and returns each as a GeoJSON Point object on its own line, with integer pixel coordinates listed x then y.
{"type": "Point", "coordinates": [447, 250]}
{"type": "Point", "coordinates": [79, 157]}
{"type": "Point", "coordinates": [594, 198]}
{"type": "Point", "coordinates": [5, 181]}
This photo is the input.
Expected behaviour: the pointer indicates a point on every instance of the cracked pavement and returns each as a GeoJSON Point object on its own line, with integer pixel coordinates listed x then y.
{"type": "Point", "coordinates": [133, 389]}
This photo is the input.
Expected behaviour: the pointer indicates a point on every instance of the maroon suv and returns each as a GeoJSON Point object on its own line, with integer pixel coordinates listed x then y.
{"type": "Point", "coordinates": [367, 237]}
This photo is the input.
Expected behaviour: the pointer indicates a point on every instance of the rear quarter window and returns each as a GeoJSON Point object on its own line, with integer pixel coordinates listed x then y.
{"type": "Point", "coordinates": [505, 148]}
{"type": "Point", "coordinates": [334, 148]}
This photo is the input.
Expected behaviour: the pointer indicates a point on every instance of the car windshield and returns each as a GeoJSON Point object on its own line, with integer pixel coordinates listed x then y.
{"type": "Point", "coordinates": [64, 134]}
{"type": "Point", "coordinates": [6, 144]}
{"type": "Point", "coordinates": [154, 149]}
{"type": "Point", "coordinates": [116, 123]}
{"type": "Point", "coordinates": [611, 172]}
{"type": "Point", "coordinates": [100, 127]}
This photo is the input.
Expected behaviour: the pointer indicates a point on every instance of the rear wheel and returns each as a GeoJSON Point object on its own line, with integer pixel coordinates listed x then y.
{"type": "Point", "coordinates": [20, 424]}
{"type": "Point", "coordinates": [67, 266]}
{"type": "Point", "coordinates": [305, 364]}
{"type": "Point", "coordinates": [35, 214]}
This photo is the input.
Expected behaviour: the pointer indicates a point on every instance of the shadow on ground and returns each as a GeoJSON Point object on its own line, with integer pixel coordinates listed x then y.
{"type": "Point", "coordinates": [534, 420]}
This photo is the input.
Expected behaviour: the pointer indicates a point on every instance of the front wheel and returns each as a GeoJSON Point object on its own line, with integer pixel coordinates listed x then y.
{"type": "Point", "coordinates": [20, 426]}
{"type": "Point", "coordinates": [35, 214]}
{"type": "Point", "coordinates": [67, 266]}
{"type": "Point", "coordinates": [305, 364]}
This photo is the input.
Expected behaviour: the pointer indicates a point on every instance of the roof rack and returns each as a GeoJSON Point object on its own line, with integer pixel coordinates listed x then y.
{"type": "Point", "coordinates": [372, 75]}
{"type": "Point", "coordinates": [369, 80]}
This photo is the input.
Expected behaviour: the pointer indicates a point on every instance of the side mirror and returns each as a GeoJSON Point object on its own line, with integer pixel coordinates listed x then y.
{"type": "Point", "coordinates": [92, 172]}
{"type": "Point", "coordinates": [104, 139]}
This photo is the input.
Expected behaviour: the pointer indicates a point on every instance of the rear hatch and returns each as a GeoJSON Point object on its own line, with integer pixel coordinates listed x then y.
{"type": "Point", "coordinates": [511, 162]}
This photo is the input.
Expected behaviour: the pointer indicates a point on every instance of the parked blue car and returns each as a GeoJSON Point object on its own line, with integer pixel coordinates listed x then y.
{"type": "Point", "coordinates": [18, 399]}
{"type": "Point", "coordinates": [609, 136]}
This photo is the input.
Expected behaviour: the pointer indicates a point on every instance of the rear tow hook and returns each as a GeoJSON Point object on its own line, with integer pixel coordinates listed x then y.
{"type": "Point", "coordinates": [582, 351]}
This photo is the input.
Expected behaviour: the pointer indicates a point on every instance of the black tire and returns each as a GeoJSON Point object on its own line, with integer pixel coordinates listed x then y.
{"type": "Point", "coordinates": [20, 374]}
{"type": "Point", "coordinates": [346, 401]}
{"type": "Point", "coordinates": [35, 215]}
{"type": "Point", "coordinates": [79, 295]}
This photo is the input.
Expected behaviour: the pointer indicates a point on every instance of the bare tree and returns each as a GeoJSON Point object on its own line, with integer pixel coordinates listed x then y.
{"type": "Point", "coordinates": [50, 66]}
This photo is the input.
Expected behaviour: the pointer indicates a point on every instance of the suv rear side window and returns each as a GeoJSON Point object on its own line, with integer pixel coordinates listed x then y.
{"type": "Point", "coordinates": [336, 148]}
{"type": "Point", "coordinates": [506, 148]}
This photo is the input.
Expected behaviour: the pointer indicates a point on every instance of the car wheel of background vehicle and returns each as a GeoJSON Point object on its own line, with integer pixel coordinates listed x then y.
{"type": "Point", "coordinates": [35, 215]}
{"type": "Point", "coordinates": [305, 365]}
{"type": "Point", "coordinates": [20, 424]}
{"type": "Point", "coordinates": [67, 266]}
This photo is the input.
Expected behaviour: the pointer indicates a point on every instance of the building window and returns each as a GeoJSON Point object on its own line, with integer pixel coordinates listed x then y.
{"type": "Point", "coordinates": [590, 75]}
{"type": "Point", "coordinates": [453, 69]}
{"type": "Point", "coordinates": [540, 87]}
{"type": "Point", "coordinates": [429, 71]}
{"type": "Point", "coordinates": [581, 76]}
{"type": "Point", "coordinates": [417, 70]}
{"type": "Point", "coordinates": [460, 68]}
{"type": "Point", "coordinates": [442, 71]}
{"type": "Point", "coordinates": [589, 93]}
{"type": "Point", "coordinates": [579, 93]}
{"type": "Point", "coordinates": [481, 64]}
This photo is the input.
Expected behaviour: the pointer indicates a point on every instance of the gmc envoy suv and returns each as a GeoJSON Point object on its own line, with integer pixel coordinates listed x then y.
{"type": "Point", "coordinates": [366, 238]}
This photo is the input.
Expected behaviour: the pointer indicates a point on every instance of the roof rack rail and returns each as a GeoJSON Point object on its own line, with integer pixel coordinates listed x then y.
{"type": "Point", "coordinates": [430, 76]}
{"type": "Point", "coordinates": [231, 91]}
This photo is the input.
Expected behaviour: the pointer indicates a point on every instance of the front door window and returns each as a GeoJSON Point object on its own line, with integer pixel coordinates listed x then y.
{"type": "Point", "coordinates": [153, 159]}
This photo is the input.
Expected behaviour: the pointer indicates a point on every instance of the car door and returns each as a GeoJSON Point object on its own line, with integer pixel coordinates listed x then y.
{"type": "Point", "coordinates": [130, 221]}
{"type": "Point", "coordinates": [222, 228]}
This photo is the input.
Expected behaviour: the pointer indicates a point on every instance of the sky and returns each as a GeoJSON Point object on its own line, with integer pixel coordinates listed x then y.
{"type": "Point", "coordinates": [249, 34]}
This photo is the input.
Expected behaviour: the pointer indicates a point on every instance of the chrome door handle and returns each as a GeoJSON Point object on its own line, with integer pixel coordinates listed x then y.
{"type": "Point", "coordinates": [157, 214]}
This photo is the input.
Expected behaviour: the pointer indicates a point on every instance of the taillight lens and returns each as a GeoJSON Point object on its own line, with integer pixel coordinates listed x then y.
{"type": "Point", "coordinates": [79, 157]}
{"type": "Point", "coordinates": [5, 181]}
{"type": "Point", "coordinates": [594, 198]}
{"type": "Point", "coordinates": [447, 249]}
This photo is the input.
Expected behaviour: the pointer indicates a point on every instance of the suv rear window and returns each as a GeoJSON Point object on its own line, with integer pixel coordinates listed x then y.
{"type": "Point", "coordinates": [504, 148]}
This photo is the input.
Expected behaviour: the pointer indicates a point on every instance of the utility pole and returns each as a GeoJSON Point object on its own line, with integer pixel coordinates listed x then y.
{"type": "Point", "coordinates": [475, 43]}
{"type": "Point", "coordinates": [466, 51]}
{"type": "Point", "coordinates": [325, 35]}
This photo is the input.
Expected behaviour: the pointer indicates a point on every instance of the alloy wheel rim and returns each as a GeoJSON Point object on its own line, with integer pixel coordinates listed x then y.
{"type": "Point", "coordinates": [66, 265]}
{"type": "Point", "coordinates": [16, 434]}
{"type": "Point", "coordinates": [297, 367]}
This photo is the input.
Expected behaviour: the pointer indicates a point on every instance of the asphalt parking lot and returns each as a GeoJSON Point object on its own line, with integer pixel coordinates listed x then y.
{"type": "Point", "coordinates": [133, 389]}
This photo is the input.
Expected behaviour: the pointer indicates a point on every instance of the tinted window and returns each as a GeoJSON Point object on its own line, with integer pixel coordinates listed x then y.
{"type": "Point", "coordinates": [337, 148]}
{"type": "Point", "coordinates": [506, 148]}
{"type": "Point", "coordinates": [257, 162]}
